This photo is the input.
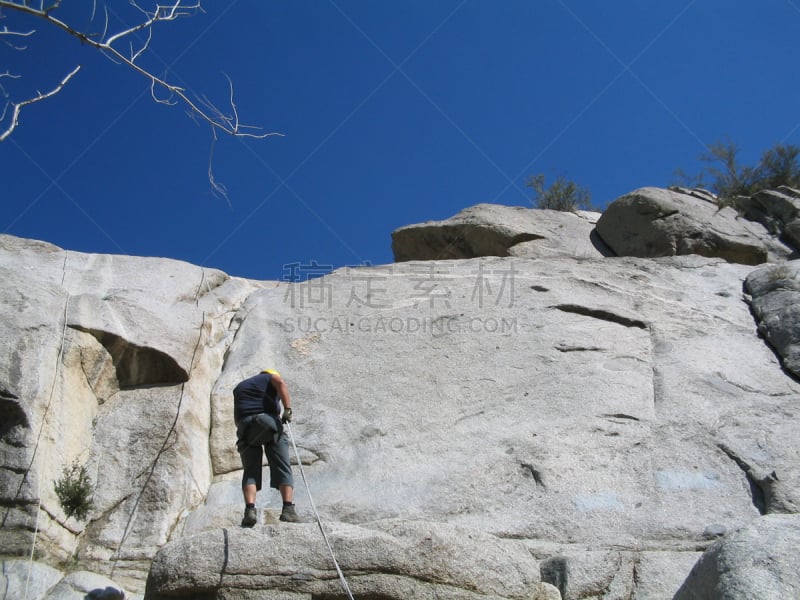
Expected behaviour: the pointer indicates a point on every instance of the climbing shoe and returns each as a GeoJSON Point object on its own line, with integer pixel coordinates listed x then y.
{"type": "Point", "coordinates": [250, 516]}
{"type": "Point", "coordinates": [289, 514]}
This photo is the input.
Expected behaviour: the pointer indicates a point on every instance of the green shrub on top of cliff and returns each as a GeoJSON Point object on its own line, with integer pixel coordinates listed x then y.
{"type": "Point", "coordinates": [563, 194]}
{"type": "Point", "coordinates": [780, 166]}
{"type": "Point", "coordinates": [727, 178]}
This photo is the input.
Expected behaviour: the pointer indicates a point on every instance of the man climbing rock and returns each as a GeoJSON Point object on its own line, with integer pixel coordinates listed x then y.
{"type": "Point", "coordinates": [259, 420]}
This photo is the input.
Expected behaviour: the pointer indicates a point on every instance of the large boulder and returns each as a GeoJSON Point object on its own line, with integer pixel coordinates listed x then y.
{"type": "Point", "coordinates": [393, 560]}
{"type": "Point", "coordinates": [775, 297]}
{"type": "Point", "coordinates": [757, 562]}
{"type": "Point", "coordinates": [37, 581]}
{"type": "Point", "coordinates": [496, 230]}
{"type": "Point", "coordinates": [652, 222]}
{"type": "Point", "coordinates": [19, 577]}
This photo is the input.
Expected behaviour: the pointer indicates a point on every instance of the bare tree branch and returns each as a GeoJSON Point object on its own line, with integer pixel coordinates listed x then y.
{"type": "Point", "coordinates": [201, 108]}
{"type": "Point", "coordinates": [6, 31]}
{"type": "Point", "coordinates": [18, 106]}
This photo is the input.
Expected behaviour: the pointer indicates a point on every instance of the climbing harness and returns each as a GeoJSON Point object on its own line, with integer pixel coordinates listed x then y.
{"type": "Point", "coordinates": [316, 514]}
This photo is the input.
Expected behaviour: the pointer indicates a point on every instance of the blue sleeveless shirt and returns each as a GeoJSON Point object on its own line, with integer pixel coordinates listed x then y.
{"type": "Point", "coordinates": [255, 395]}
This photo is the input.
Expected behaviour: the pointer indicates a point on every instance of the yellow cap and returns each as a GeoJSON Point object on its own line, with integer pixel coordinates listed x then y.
{"type": "Point", "coordinates": [271, 372]}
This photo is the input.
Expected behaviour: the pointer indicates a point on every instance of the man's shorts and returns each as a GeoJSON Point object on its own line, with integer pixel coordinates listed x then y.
{"type": "Point", "coordinates": [259, 433]}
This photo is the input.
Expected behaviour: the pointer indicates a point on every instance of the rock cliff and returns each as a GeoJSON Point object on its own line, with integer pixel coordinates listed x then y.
{"type": "Point", "coordinates": [531, 415]}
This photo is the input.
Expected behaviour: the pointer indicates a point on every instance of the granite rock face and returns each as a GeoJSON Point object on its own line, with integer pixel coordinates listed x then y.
{"type": "Point", "coordinates": [108, 361]}
{"type": "Point", "coordinates": [775, 298]}
{"type": "Point", "coordinates": [585, 424]}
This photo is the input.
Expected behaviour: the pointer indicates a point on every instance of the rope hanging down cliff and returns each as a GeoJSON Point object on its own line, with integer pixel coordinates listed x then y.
{"type": "Point", "coordinates": [41, 431]}
{"type": "Point", "coordinates": [316, 515]}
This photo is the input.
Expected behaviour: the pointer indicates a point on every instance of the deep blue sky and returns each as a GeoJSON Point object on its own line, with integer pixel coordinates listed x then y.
{"type": "Point", "coordinates": [393, 112]}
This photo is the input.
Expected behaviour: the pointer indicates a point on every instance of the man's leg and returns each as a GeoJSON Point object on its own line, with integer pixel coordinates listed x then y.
{"type": "Point", "coordinates": [249, 493]}
{"type": "Point", "coordinates": [280, 472]}
{"type": "Point", "coordinates": [251, 482]}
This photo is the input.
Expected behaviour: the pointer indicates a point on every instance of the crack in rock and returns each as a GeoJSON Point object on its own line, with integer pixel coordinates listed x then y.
{"type": "Point", "coordinates": [564, 347]}
{"type": "Point", "coordinates": [760, 492]}
{"type": "Point", "coordinates": [530, 471]}
{"type": "Point", "coordinates": [555, 571]}
{"type": "Point", "coordinates": [602, 314]}
{"type": "Point", "coordinates": [620, 416]}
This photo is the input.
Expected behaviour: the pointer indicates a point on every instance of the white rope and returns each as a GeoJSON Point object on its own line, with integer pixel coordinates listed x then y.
{"type": "Point", "coordinates": [316, 514]}
{"type": "Point", "coordinates": [41, 431]}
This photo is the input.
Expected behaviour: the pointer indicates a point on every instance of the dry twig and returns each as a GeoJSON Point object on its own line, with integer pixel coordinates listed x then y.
{"type": "Point", "coordinates": [201, 108]}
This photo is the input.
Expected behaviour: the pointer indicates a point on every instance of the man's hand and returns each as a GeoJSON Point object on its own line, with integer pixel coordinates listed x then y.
{"type": "Point", "coordinates": [287, 415]}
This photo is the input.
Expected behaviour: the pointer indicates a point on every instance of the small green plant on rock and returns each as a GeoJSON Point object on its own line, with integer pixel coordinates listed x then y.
{"type": "Point", "coordinates": [563, 195]}
{"type": "Point", "coordinates": [74, 490]}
